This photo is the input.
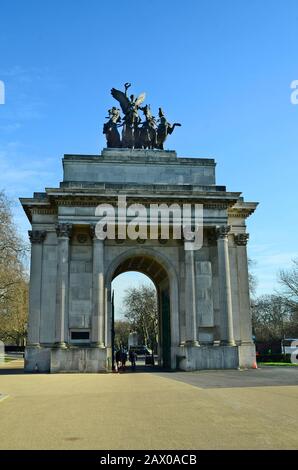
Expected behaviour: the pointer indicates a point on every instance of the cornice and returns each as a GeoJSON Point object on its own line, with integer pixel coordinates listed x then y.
{"type": "Point", "coordinates": [242, 209]}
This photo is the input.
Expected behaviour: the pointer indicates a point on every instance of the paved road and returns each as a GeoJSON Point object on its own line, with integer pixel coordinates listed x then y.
{"type": "Point", "coordinates": [255, 409]}
{"type": "Point", "coordinates": [263, 377]}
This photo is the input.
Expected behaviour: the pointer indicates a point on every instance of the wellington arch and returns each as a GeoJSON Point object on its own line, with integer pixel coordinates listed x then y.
{"type": "Point", "coordinates": [138, 207]}
{"type": "Point", "coordinates": [203, 295]}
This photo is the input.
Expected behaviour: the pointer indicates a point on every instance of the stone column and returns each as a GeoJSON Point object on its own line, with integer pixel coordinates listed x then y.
{"type": "Point", "coordinates": [241, 240]}
{"type": "Point", "coordinates": [98, 304]}
{"type": "Point", "coordinates": [190, 300]}
{"type": "Point", "coordinates": [36, 238]}
{"type": "Point", "coordinates": [63, 231]}
{"type": "Point", "coordinates": [225, 295]}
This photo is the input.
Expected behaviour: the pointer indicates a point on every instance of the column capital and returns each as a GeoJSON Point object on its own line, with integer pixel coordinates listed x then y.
{"type": "Point", "coordinates": [92, 231]}
{"type": "Point", "coordinates": [93, 235]}
{"type": "Point", "coordinates": [37, 236]}
{"type": "Point", "coordinates": [241, 239]}
{"type": "Point", "coordinates": [222, 231]}
{"type": "Point", "coordinates": [64, 230]}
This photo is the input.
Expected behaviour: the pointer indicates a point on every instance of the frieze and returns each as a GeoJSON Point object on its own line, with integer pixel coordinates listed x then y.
{"type": "Point", "coordinates": [49, 211]}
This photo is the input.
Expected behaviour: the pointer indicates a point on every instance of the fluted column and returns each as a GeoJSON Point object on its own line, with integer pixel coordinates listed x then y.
{"type": "Point", "coordinates": [225, 294]}
{"type": "Point", "coordinates": [241, 240]}
{"type": "Point", "coordinates": [190, 299]}
{"type": "Point", "coordinates": [36, 238]}
{"type": "Point", "coordinates": [98, 310]}
{"type": "Point", "coordinates": [63, 231]}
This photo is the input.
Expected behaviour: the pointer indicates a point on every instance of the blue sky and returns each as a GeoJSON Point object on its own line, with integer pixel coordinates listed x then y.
{"type": "Point", "coordinates": [222, 68]}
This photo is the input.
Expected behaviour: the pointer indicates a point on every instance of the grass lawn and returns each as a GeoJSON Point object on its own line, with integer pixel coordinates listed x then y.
{"type": "Point", "coordinates": [280, 364]}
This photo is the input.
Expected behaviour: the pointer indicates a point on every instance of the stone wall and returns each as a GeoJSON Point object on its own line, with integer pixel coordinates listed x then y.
{"type": "Point", "coordinates": [80, 280]}
{"type": "Point", "coordinates": [142, 167]}
{"type": "Point", "coordinates": [72, 271]}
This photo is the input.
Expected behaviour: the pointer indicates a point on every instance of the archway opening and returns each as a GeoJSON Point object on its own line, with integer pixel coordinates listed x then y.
{"type": "Point", "coordinates": [138, 283]}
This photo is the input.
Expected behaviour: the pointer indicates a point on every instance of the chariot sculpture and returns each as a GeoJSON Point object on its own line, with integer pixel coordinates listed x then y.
{"type": "Point", "coordinates": [148, 134]}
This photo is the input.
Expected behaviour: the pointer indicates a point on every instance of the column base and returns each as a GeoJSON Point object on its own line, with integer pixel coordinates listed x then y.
{"type": "Point", "coordinates": [79, 359]}
{"type": "Point", "coordinates": [60, 345]}
{"type": "Point", "coordinates": [37, 359]}
{"type": "Point", "coordinates": [247, 356]}
{"type": "Point", "coordinates": [192, 343]}
{"type": "Point", "coordinates": [227, 343]}
{"type": "Point", "coordinates": [97, 344]}
{"type": "Point", "coordinates": [247, 343]}
{"type": "Point", "coordinates": [207, 358]}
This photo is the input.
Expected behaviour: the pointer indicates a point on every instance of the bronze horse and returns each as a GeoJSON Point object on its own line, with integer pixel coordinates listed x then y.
{"type": "Point", "coordinates": [147, 133]}
{"type": "Point", "coordinates": [135, 134]}
{"type": "Point", "coordinates": [164, 129]}
{"type": "Point", "coordinates": [110, 129]}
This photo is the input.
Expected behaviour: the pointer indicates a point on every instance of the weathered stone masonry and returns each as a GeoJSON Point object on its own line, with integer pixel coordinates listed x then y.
{"type": "Point", "coordinates": [204, 308]}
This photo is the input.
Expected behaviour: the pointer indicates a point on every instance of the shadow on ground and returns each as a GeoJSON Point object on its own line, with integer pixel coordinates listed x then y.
{"type": "Point", "coordinates": [262, 377]}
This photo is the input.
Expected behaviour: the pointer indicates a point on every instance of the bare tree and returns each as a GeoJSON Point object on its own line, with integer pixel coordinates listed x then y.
{"type": "Point", "coordinates": [12, 251]}
{"type": "Point", "coordinates": [13, 280]}
{"type": "Point", "coordinates": [270, 318]}
{"type": "Point", "coordinates": [14, 318]}
{"type": "Point", "coordinates": [289, 282]}
{"type": "Point", "coordinates": [252, 278]}
{"type": "Point", "coordinates": [122, 330]}
{"type": "Point", "coordinates": [141, 311]}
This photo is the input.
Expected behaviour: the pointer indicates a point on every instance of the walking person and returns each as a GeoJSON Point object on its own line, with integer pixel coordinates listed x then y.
{"type": "Point", "coordinates": [123, 359]}
{"type": "Point", "coordinates": [118, 360]}
{"type": "Point", "coordinates": [132, 359]}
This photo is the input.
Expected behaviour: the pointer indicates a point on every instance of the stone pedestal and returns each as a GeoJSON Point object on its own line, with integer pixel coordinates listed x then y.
{"type": "Point", "coordinates": [208, 357]}
{"type": "Point", "coordinates": [78, 360]}
{"type": "Point", "coordinates": [247, 355]}
{"type": "Point", "coordinates": [37, 359]}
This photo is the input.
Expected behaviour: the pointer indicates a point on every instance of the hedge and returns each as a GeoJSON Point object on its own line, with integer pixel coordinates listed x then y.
{"type": "Point", "coordinates": [274, 358]}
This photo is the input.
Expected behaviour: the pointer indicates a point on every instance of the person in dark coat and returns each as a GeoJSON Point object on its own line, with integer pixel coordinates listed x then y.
{"type": "Point", "coordinates": [118, 360]}
{"type": "Point", "coordinates": [123, 359]}
{"type": "Point", "coordinates": [132, 359]}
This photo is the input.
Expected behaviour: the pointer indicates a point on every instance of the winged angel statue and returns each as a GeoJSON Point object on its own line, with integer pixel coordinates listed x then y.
{"type": "Point", "coordinates": [135, 133]}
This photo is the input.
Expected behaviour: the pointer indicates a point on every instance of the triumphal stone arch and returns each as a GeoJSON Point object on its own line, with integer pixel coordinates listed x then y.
{"type": "Point", "coordinates": [96, 225]}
